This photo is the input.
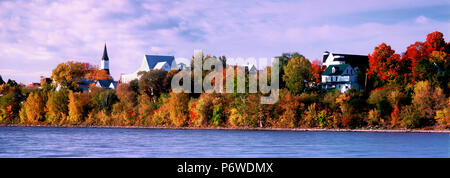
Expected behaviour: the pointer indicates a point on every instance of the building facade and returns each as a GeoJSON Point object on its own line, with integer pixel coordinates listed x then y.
{"type": "Point", "coordinates": [341, 71]}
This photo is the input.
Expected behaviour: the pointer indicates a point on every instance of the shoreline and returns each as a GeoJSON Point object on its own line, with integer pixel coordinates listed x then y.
{"type": "Point", "coordinates": [241, 128]}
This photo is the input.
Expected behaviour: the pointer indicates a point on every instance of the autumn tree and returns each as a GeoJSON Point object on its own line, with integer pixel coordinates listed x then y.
{"type": "Point", "coordinates": [291, 110]}
{"type": "Point", "coordinates": [33, 109]}
{"type": "Point", "coordinates": [428, 99]}
{"type": "Point", "coordinates": [126, 108]}
{"type": "Point", "coordinates": [317, 70]}
{"type": "Point", "coordinates": [297, 74]}
{"type": "Point", "coordinates": [69, 74]}
{"type": "Point", "coordinates": [79, 107]}
{"type": "Point", "coordinates": [384, 65]}
{"type": "Point", "coordinates": [178, 108]}
{"type": "Point", "coordinates": [94, 73]}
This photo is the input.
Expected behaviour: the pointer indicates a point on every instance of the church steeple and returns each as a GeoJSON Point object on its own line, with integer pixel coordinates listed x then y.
{"type": "Point", "coordinates": [104, 65]}
{"type": "Point", "coordinates": [105, 54]}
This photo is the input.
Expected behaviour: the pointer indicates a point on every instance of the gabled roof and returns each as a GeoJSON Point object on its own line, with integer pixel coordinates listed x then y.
{"type": "Point", "coordinates": [104, 83]}
{"type": "Point", "coordinates": [152, 60]}
{"type": "Point", "coordinates": [339, 69]}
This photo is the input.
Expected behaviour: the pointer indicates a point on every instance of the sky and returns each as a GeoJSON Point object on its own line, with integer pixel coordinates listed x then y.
{"type": "Point", "coordinates": [37, 35]}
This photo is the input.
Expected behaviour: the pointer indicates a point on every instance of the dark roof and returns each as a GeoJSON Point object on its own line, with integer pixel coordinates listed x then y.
{"type": "Point", "coordinates": [105, 83]}
{"type": "Point", "coordinates": [105, 54]}
{"type": "Point", "coordinates": [339, 69]}
{"type": "Point", "coordinates": [152, 60]}
{"type": "Point", "coordinates": [352, 59]}
{"type": "Point", "coordinates": [83, 85]}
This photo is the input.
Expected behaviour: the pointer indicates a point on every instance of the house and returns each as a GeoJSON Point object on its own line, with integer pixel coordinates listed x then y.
{"type": "Point", "coordinates": [342, 71]}
{"type": "Point", "coordinates": [151, 62]}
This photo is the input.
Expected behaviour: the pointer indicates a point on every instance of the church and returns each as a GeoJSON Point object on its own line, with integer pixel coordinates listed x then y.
{"type": "Point", "coordinates": [109, 84]}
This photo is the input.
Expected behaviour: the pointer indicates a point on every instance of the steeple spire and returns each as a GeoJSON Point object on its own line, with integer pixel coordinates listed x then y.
{"type": "Point", "coordinates": [104, 65]}
{"type": "Point", "coordinates": [105, 55]}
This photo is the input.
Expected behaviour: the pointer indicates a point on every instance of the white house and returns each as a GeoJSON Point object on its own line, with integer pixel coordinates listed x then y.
{"type": "Point", "coordinates": [342, 71]}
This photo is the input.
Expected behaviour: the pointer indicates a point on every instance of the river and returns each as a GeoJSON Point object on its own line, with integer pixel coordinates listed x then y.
{"type": "Point", "coordinates": [123, 142]}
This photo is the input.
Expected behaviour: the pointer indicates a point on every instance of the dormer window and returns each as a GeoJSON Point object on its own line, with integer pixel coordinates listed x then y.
{"type": "Point", "coordinates": [333, 70]}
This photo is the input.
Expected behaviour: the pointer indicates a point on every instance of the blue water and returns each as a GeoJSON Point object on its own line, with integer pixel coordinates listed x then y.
{"type": "Point", "coordinates": [114, 142]}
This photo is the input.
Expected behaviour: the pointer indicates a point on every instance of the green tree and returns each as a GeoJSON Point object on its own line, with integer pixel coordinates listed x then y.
{"type": "Point", "coordinates": [102, 99]}
{"type": "Point", "coordinates": [284, 59]}
{"type": "Point", "coordinates": [10, 98]}
{"type": "Point", "coordinates": [57, 105]}
{"type": "Point", "coordinates": [297, 74]}
{"type": "Point", "coordinates": [151, 83]}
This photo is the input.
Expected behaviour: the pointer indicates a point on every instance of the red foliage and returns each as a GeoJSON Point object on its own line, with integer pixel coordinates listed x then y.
{"type": "Point", "coordinates": [395, 116]}
{"type": "Point", "coordinates": [422, 51]}
{"type": "Point", "coordinates": [435, 41]}
{"type": "Point", "coordinates": [317, 69]}
{"type": "Point", "coordinates": [384, 63]}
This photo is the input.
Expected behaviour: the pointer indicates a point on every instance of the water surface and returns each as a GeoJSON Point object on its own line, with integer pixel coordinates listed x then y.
{"type": "Point", "coordinates": [118, 142]}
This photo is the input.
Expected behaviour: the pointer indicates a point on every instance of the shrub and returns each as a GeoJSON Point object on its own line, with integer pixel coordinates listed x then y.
{"type": "Point", "coordinates": [373, 117]}
{"type": "Point", "coordinates": [102, 99]}
{"type": "Point", "coordinates": [161, 117]}
{"type": "Point", "coordinates": [329, 100]}
{"type": "Point", "coordinates": [379, 98]}
{"type": "Point", "coordinates": [291, 109]}
{"type": "Point", "coordinates": [204, 109]}
{"type": "Point", "coordinates": [253, 111]}
{"type": "Point", "coordinates": [410, 117]}
{"type": "Point", "coordinates": [217, 115]}
{"type": "Point", "coordinates": [443, 116]}
{"type": "Point", "coordinates": [427, 99]}
{"type": "Point", "coordinates": [235, 119]}
{"type": "Point", "coordinates": [311, 117]}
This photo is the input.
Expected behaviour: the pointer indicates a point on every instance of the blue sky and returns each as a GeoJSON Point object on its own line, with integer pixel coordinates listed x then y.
{"type": "Point", "coordinates": [37, 35]}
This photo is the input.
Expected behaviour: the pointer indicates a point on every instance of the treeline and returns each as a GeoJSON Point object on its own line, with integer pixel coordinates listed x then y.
{"type": "Point", "coordinates": [410, 90]}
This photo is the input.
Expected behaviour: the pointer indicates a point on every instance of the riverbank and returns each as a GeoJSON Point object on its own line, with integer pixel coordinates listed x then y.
{"type": "Point", "coordinates": [244, 128]}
